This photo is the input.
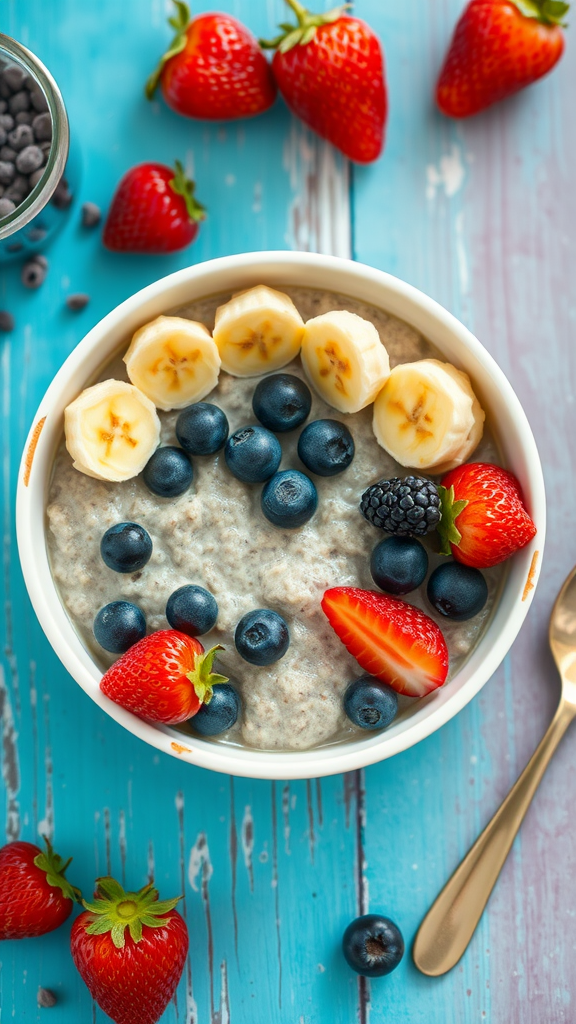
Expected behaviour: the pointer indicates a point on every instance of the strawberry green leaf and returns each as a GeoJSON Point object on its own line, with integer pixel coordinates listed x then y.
{"type": "Point", "coordinates": [447, 529]}
{"type": "Point", "coordinates": [549, 12]}
{"type": "Point", "coordinates": [184, 187]}
{"type": "Point", "coordinates": [114, 910]}
{"type": "Point", "coordinates": [179, 22]}
{"type": "Point", "coordinates": [202, 677]}
{"type": "Point", "coordinates": [304, 32]}
{"type": "Point", "coordinates": [55, 868]}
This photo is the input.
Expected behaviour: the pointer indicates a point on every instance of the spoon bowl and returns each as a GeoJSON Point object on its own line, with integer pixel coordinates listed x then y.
{"type": "Point", "coordinates": [562, 635]}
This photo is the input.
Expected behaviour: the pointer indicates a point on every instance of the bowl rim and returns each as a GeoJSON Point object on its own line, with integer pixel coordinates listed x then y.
{"type": "Point", "coordinates": [239, 760]}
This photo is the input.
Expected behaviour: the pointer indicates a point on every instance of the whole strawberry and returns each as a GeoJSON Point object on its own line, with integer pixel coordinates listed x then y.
{"type": "Point", "coordinates": [213, 69]}
{"type": "Point", "coordinates": [166, 677]}
{"type": "Point", "coordinates": [130, 950]}
{"type": "Point", "coordinates": [154, 210]}
{"type": "Point", "coordinates": [35, 897]}
{"type": "Point", "coordinates": [484, 520]}
{"type": "Point", "coordinates": [498, 48]}
{"type": "Point", "coordinates": [330, 70]}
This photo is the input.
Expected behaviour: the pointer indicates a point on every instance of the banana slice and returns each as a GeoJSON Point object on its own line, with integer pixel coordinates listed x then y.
{"type": "Point", "coordinates": [111, 431]}
{"type": "Point", "coordinates": [427, 416]}
{"type": "Point", "coordinates": [344, 359]}
{"type": "Point", "coordinates": [173, 361]}
{"type": "Point", "coordinates": [257, 331]}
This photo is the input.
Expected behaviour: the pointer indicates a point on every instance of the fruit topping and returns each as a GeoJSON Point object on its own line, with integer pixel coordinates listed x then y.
{"type": "Point", "coordinates": [330, 70]}
{"type": "Point", "coordinates": [257, 331]}
{"type": "Point", "coordinates": [344, 359]}
{"type": "Point", "coordinates": [214, 69]}
{"type": "Point", "coordinates": [409, 507]}
{"type": "Point", "coordinates": [399, 565]}
{"type": "Point", "coordinates": [35, 896]}
{"type": "Point", "coordinates": [253, 454]}
{"type": "Point", "coordinates": [130, 949]}
{"type": "Point", "coordinates": [154, 210]}
{"type": "Point", "coordinates": [373, 945]}
{"type": "Point", "coordinates": [169, 472]}
{"type": "Point", "coordinates": [166, 677]}
{"type": "Point", "coordinates": [111, 431]}
{"type": "Point", "coordinates": [326, 447]}
{"type": "Point", "coordinates": [281, 402]}
{"type": "Point", "coordinates": [262, 637]}
{"type": "Point", "coordinates": [118, 626]}
{"type": "Point", "coordinates": [220, 714]}
{"type": "Point", "coordinates": [484, 519]}
{"type": "Point", "coordinates": [370, 704]}
{"type": "Point", "coordinates": [390, 639]}
{"type": "Point", "coordinates": [174, 361]}
{"type": "Point", "coordinates": [126, 547]}
{"type": "Point", "coordinates": [289, 499]}
{"type": "Point", "coordinates": [192, 610]}
{"type": "Point", "coordinates": [457, 591]}
{"type": "Point", "coordinates": [202, 429]}
{"type": "Point", "coordinates": [427, 416]}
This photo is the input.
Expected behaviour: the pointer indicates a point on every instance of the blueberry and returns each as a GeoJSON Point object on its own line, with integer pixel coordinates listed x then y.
{"type": "Point", "coordinates": [262, 637]}
{"type": "Point", "coordinates": [252, 454]}
{"type": "Point", "coordinates": [118, 626]}
{"type": "Point", "coordinates": [326, 447]}
{"type": "Point", "coordinates": [373, 945]}
{"type": "Point", "coordinates": [282, 402]}
{"type": "Point", "coordinates": [91, 214]}
{"type": "Point", "coordinates": [399, 565]}
{"type": "Point", "coordinates": [192, 610]}
{"type": "Point", "coordinates": [33, 273]}
{"type": "Point", "coordinates": [202, 429]}
{"type": "Point", "coordinates": [168, 473]}
{"type": "Point", "coordinates": [220, 714]}
{"type": "Point", "coordinates": [78, 300]}
{"type": "Point", "coordinates": [370, 703]}
{"type": "Point", "coordinates": [289, 499]}
{"type": "Point", "coordinates": [457, 591]}
{"type": "Point", "coordinates": [126, 547]}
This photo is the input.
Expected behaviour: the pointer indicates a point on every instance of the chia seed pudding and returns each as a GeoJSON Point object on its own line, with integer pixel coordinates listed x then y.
{"type": "Point", "coordinates": [215, 535]}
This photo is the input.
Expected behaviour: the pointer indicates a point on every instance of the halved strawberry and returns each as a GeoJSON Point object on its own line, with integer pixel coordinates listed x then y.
{"type": "Point", "coordinates": [390, 639]}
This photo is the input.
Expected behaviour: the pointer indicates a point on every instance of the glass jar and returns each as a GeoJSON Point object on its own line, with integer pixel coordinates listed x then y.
{"type": "Point", "coordinates": [40, 215]}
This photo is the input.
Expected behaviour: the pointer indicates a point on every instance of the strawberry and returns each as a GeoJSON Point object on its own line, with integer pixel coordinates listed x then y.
{"type": "Point", "coordinates": [330, 70]}
{"type": "Point", "coordinates": [35, 897]}
{"type": "Point", "coordinates": [213, 69]}
{"type": "Point", "coordinates": [484, 520]}
{"type": "Point", "coordinates": [154, 210]}
{"type": "Point", "coordinates": [166, 677]}
{"type": "Point", "coordinates": [499, 47]}
{"type": "Point", "coordinates": [390, 639]}
{"type": "Point", "coordinates": [130, 950]}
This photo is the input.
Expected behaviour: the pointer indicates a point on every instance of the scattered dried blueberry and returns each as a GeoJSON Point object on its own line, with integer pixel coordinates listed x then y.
{"type": "Point", "coordinates": [25, 138]}
{"type": "Point", "coordinates": [6, 321]}
{"type": "Point", "coordinates": [7, 122]}
{"type": "Point", "coordinates": [3, 106]}
{"type": "Point", "coordinates": [38, 100]}
{"type": "Point", "coordinates": [34, 272]}
{"type": "Point", "coordinates": [91, 215]}
{"type": "Point", "coordinates": [21, 137]}
{"type": "Point", "coordinates": [19, 101]}
{"type": "Point", "coordinates": [14, 77]}
{"type": "Point", "coordinates": [62, 196]}
{"type": "Point", "coordinates": [35, 177]}
{"type": "Point", "coordinates": [24, 117]}
{"type": "Point", "coordinates": [77, 301]}
{"type": "Point", "coordinates": [7, 153]}
{"type": "Point", "coordinates": [42, 127]}
{"type": "Point", "coordinates": [7, 172]}
{"type": "Point", "coordinates": [6, 206]}
{"type": "Point", "coordinates": [30, 158]}
{"type": "Point", "coordinates": [46, 998]}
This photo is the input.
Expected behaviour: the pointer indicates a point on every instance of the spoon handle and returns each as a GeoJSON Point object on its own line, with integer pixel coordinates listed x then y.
{"type": "Point", "coordinates": [451, 921]}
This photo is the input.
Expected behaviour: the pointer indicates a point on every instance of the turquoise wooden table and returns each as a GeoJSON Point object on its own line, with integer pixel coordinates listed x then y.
{"type": "Point", "coordinates": [482, 216]}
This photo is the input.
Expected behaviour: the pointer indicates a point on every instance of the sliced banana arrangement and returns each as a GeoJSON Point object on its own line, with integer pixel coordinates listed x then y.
{"type": "Point", "coordinates": [111, 430]}
{"type": "Point", "coordinates": [344, 359]}
{"type": "Point", "coordinates": [427, 416]}
{"type": "Point", "coordinates": [173, 361]}
{"type": "Point", "coordinates": [257, 331]}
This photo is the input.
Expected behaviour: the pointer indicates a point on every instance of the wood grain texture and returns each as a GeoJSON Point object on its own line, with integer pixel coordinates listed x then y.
{"type": "Point", "coordinates": [483, 217]}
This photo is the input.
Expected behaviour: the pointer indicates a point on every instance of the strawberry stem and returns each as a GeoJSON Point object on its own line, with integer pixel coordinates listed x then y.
{"type": "Point", "coordinates": [548, 12]}
{"type": "Point", "coordinates": [447, 529]}
{"type": "Point", "coordinates": [202, 677]}
{"type": "Point", "coordinates": [304, 32]}
{"type": "Point", "coordinates": [114, 910]}
{"type": "Point", "coordinates": [179, 22]}
{"type": "Point", "coordinates": [55, 868]}
{"type": "Point", "coordinates": [184, 186]}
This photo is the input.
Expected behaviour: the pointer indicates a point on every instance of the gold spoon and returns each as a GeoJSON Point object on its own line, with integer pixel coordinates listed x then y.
{"type": "Point", "coordinates": [451, 921]}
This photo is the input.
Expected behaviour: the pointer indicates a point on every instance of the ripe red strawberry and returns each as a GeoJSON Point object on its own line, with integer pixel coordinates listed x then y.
{"type": "Point", "coordinates": [484, 520]}
{"type": "Point", "coordinates": [330, 70]}
{"type": "Point", "coordinates": [130, 950]}
{"type": "Point", "coordinates": [154, 210]}
{"type": "Point", "coordinates": [390, 639]}
{"type": "Point", "coordinates": [35, 897]}
{"type": "Point", "coordinates": [166, 677]}
{"type": "Point", "coordinates": [499, 47]}
{"type": "Point", "coordinates": [213, 69]}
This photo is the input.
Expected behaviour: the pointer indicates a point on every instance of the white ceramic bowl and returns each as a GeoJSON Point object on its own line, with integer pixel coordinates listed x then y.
{"type": "Point", "coordinates": [233, 273]}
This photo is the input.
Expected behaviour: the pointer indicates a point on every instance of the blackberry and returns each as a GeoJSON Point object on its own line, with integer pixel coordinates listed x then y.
{"type": "Point", "coordinates": [409, 507]}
